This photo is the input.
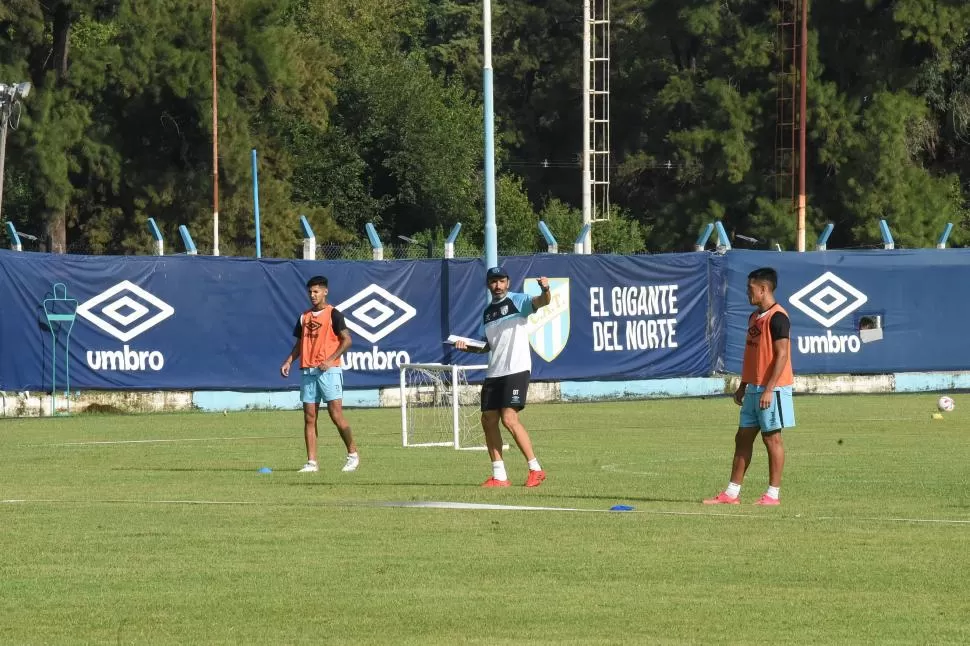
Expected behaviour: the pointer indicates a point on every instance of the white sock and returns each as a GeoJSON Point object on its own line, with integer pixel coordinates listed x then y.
{"type": "Point", "coordinates": [311, 461]}
{"type": "Point", "coordinates": [498, 470]}
{"type": "Point", "coordinates": [534, 465]}
{"type": "Point", "coordinates": [773, 492]}
{"type": "Point", "coordinates": [352, 455]}
{"type": "Point", "coordinates": [733, 490]}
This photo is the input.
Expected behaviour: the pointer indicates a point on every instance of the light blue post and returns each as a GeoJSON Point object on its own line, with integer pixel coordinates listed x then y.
{"type": "Point", "coordinates": [259, 247]}
{"type": "Point", "coordinates": [187, 240]}
{"type": "Point", "coordinates": [823, 238]}
{"type": "Point", "coordinates": [491, 230]}
{"type": "Point", "coordinates": [941, 243]}
{"type": "Point", "coordinates": [309, 240]}
{"type": "Point", "coordinates": [704, 237]}
{"type": "Point", "coordinates": [450, 240]}
{"type": "Point", "coordinates": [580, 245]}
{"type": "Point", "coordinates": [377, 247]}
{"type": "Point", "coordinates": [157, 235]}
{"type": "Point", "coordinates": [887, 237]}
{"type": "Point", "coordinates": [14, 237]}
{"type": "Point", "coordinates": [551, 244]}
{"type": "Point", "coordinates": [723, 243]}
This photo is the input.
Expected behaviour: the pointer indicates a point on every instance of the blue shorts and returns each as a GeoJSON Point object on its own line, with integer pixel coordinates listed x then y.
{"type": "Point", "coordinates": [318, 387]}
{"type": "Point", "coordinates": [781, 413]}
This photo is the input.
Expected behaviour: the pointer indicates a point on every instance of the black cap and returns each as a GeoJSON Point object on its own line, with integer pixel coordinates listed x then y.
{"type": "Point", "coordinates": [496, 272]}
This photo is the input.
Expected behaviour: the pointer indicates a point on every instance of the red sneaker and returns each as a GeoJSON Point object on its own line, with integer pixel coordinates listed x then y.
{"type": "Point", "coordinates": [768, 501]}
{"type": "Point", "coordinates": [535, 478]}
{"type": "Point", "coordinates": [723, 499]}
{"type": "Point", "coordinates": [492, 482]}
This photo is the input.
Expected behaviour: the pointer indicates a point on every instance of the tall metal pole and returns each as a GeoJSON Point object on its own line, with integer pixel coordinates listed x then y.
{"type": "Point", "coordinates": [802, 127]}
{"type": "Point", "coordinates": [491, 230]}
{"type": "Point", "coordinates": [587, 172]}
{"type": "Point", "coordinates": [215, 141]}
{"type": "Point", "coordinates": [4, 118]}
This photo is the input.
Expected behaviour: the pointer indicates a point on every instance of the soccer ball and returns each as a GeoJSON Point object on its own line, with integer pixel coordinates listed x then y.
{"type": "Point", "coordinates": [945, 404]}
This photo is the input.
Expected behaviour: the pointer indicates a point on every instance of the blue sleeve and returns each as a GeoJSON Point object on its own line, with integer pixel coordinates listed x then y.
{"type": "Point", "coordinates": [523, 303]}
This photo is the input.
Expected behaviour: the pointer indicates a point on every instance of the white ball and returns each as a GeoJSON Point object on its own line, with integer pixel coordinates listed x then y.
{"type": "Point", "coordinates": [945, 404]}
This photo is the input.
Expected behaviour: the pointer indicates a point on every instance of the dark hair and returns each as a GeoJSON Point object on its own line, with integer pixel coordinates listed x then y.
{"type": "Point", "coordinates": [317, 280]}
{"type": "Point", "coordinates": [765, 275]}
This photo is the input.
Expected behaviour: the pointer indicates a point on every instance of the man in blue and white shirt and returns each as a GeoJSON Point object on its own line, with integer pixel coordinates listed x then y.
{"type": "Point", "coordinates": [504, 327]}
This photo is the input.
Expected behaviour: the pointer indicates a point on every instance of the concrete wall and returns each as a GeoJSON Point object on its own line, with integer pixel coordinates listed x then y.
{"type": "Point", "coordinates": [39, 404]}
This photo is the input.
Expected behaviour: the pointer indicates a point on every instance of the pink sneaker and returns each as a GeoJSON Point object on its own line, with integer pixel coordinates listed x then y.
{"type": "Point", "coordinates": [492, 482]}
{"type": "Point", "coordinates": [723, 499]}
{"type": "Point", "coordinates": [768, 501]}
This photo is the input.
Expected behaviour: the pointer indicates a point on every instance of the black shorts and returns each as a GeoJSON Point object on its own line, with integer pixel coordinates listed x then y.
{"type": "Point", "coordinates": [508, 391]}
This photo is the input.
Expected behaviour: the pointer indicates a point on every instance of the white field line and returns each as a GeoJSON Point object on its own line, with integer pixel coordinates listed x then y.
{"type": "Point", "coordinates": [495, 507]}
{"type": "Point", "coordinates": [159, 441]}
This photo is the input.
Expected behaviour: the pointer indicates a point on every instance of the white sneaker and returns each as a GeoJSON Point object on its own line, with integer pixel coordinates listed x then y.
{"type": "Point", "coordinates": [352, 463]}
{"type": "Point", "coordinates": [309, 467]}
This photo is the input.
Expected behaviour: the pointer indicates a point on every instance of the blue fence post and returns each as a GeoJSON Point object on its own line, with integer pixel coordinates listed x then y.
{"type": "Point", "coordinates": [704, 237]}
{"type": "Point", "coordinates": [190, 249]}
{"type": "Point", "coordinates": [450, 240]}
{"type": "Point", "coordinates": [259, 247]}
{"type": "Point", "coordinates": [823, 238]}
{"type": "Point", "coordinates": [377, 247]}
{"type": "Point", "coordinates": [551, 245]}
{"type": "Point", "coordinates": [157, 235]}
{"type": "Point", "coordinates": [14, 237]}
{"type": "Point", "coordinates": [723, 243]}
{"type": "Point", "coordinates": [579, 244]}
{"type": "Point", "coordinates": [941, 243]}
{"type": "Point", "coordinates": [887, 237]}
{"type": "Point", "coordinates": [309, 240]}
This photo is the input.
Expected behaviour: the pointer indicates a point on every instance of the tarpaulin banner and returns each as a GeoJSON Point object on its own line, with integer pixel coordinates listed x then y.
{"type": "Point", "coordinates": [871, 312]}
{"type": "Point", "coordinates": [204, 323]}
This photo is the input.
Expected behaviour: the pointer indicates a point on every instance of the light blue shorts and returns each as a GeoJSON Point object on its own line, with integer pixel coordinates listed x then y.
{"type": "Point", "coordinates": [781, 413]}
{"type": "Point", "coordinates": [318, 387]}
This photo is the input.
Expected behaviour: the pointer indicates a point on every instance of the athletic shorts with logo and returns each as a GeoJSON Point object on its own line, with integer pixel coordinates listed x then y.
{"type": "Point", "coordinates": [319, 387]}
{"type": "Point", "coordinates": [781, 413]}
{"type": "Point", "coordinates": [508, 391]}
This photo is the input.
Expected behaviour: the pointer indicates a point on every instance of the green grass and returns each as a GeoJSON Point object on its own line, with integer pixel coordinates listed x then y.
{"type": "Point", "coordinates": [108, 546]}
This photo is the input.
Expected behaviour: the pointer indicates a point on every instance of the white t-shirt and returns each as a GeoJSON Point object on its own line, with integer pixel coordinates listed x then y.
{"type": "Point", "coordinates": [504, 325]}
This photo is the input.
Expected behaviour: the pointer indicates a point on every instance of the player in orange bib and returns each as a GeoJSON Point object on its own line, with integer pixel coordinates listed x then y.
{"type": "Point", "coordinates": [765, 393]}
{"type": "Point", "coordinates": [321, 339]}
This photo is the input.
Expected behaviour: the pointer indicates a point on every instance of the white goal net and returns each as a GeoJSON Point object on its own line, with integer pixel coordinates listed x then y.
{"type": "Point", "coordinates": [439, 407]}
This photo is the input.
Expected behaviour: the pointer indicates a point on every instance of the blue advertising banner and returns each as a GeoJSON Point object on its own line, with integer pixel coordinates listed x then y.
{"type": "Point", "coordinates": [197, 323]}
{"type": "Point", "coordinates": [611, 317]}
{"type": "Point", "coordinates": [861, 311]}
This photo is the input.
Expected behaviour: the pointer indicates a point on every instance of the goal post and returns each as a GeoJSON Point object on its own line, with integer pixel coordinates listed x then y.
{"type": "Point", "coordinates": [439, 407]}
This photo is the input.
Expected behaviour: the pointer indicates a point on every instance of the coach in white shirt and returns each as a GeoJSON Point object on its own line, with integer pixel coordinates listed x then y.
{"type": "Point", "coordinates": [504, 328]}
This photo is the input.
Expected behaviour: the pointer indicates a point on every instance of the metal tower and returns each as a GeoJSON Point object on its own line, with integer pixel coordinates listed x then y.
{"type": "Point", "coordinates": [596, 114]}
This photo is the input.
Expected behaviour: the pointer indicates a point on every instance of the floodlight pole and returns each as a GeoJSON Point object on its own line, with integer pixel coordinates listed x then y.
{"type": "Point", "coordinates": [491, 230]}
{"type": "Point", "coordinates": [215, 141]}
{"type": "Point", "coordinates": [802, 128]}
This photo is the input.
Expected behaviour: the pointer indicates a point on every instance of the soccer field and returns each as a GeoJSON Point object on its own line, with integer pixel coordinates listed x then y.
{"type": "Point", "coordinates": [159, 529]}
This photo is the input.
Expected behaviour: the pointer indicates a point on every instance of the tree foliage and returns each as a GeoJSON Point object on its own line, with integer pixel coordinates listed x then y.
{"type": "Point", "coordinates": [371, 111]}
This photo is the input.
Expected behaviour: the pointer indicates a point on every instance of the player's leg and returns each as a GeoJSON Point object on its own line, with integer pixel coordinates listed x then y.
{"type": "Point", "coordinates": [748, 429]}
{"type": "Point", "coordinates": [333, 392]}
{"type": "Point", "coordinates": [309, 395]}
{"type": "Point", "coordinates": [514, 400]}
{"type": "Point", "coordinates": [779, 415]}
{"type": "Point", "coordinates": [491, 406]}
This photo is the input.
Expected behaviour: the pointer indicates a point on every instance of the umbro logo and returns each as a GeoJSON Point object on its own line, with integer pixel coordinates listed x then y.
{"type": "Point", "coordinates": [125, 311]}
